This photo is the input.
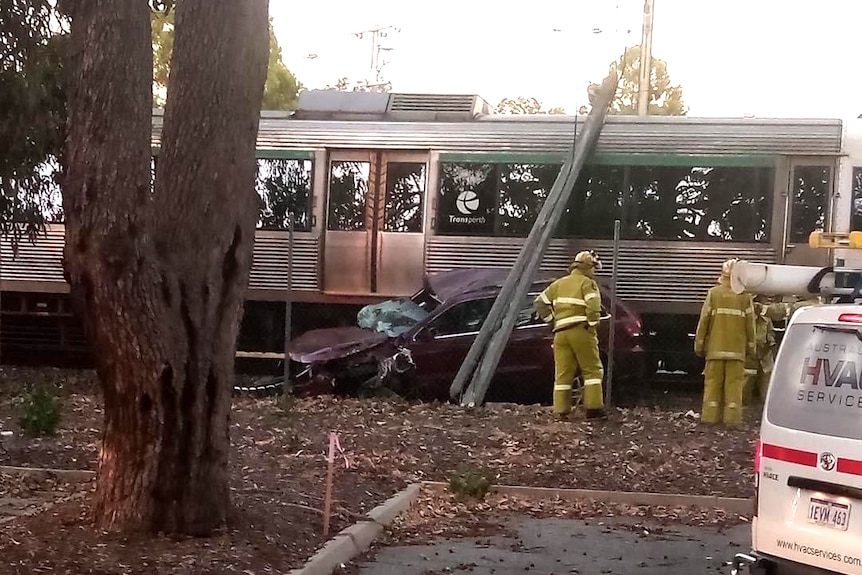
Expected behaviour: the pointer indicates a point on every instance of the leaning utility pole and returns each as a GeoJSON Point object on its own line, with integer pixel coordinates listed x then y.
{"type": "Point", "coordinates": [484, 354]}
{"type": "Point", "coordinates": [646, 60]}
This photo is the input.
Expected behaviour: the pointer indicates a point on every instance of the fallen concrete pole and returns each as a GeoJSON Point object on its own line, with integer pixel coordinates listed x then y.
{"type": "Point", "coordinates": [484, 354]}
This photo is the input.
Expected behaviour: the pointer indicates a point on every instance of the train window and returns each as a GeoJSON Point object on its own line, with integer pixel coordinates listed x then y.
{"type": "Point", "coordinates": [348, 191]}
{"type": "Point", "coordinates": [284, 186]}
{"type": "Point", "coordinates": [523, 190]}
{"type": "Point", "coordinates": [468, 199]}
{"type": "Point", "coordinates": [808, 210]}
{"type": "Point", "coordinates": [653, 202]}
{"type": "Point", "coordinates": [595, 203]}
{"type": "Point", "coordinates": [405, 193]}
{"type": "Point", "coordinates": [856, 218]}
{"type": "Point", "coordinates": [698, 203]}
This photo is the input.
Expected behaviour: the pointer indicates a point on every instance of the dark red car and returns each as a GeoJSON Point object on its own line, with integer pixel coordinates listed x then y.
{"type": "Point", "coordinates": [414, 346]}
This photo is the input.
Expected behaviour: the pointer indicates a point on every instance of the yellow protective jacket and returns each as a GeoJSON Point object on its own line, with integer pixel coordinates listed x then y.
{"type": "Point", "coordinates": [569, 301]}
{"type": "Point", "coordinates": [726, 326]}
{"type": "Point", "coordinates": [764, 331]}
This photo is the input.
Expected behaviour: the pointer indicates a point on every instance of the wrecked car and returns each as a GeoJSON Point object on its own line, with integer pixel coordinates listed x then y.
{"type": "Point", "coordinates": [414, 346]}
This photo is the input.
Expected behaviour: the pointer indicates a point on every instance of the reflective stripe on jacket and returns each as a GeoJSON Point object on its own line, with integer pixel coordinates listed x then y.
{"type": "Point", "coordinates": [725, 329]}
{"type": "Point", "coordinates": [569, 301]}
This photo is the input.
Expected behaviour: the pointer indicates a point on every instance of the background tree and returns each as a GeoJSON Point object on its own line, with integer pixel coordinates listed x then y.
{"type": "Point", "coordinates": [665, 99]}
{"type": "Point", "coordinates": [344, 84]}
{"type": "Point", "coordinates": [522, 105]}
{"type": "Point", "coordinates": [160, 271]}
{"type": "Point", "coordinates": [32, 116]}
{"type": "Point", "coordinates": [282, 88]}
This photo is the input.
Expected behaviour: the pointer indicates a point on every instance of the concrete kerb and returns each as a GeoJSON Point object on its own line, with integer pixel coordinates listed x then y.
{"type": "Point", "coordinates": [736, 505]}
{"type": "Point", "coordinates": [72, 475]}
{"type": "Point", "coordinates": [44, 507]}
{"type": "Point", "coordinates": [355, 539]}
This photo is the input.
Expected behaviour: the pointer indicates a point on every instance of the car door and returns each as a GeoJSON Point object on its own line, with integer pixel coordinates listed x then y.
{"type": "Point", "coordinates": [439, 347]}
{"type": "Point", "coordinates": [525, 373]}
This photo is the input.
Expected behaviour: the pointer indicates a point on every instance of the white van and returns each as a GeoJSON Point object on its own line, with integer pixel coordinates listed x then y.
{"type": "Point", "coordinates": [808, 465]}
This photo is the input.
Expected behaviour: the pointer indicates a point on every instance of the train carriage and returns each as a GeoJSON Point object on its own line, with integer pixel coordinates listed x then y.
{"type": "Point", "coordinates": [383, 188]}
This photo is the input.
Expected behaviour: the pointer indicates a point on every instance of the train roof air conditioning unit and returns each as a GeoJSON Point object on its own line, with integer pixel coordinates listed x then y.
{"type": "Point", "coordinates": [341, 105]}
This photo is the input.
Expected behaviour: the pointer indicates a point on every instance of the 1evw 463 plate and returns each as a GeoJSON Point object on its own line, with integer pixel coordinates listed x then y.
{"type": "Point", "coordinates": [829, 513]}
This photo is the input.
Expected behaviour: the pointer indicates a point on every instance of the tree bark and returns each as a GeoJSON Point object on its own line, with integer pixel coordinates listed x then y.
{"type": "Point", "coordinates": [161, 273]}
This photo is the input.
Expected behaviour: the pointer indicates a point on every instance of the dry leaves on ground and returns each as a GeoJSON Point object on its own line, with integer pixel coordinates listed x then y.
{"type": "Point", "coordinates": [278, 464]}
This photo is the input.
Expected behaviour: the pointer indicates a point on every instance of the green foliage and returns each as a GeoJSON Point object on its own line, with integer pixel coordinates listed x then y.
{"type": "Point", "coordinates": [664, 98]}
{"type": "Point", "coordinates": [344, 84]}
{"type": "Point", "coordinates": [41, 412]}
{"type": "Point", "coordinates": [32, 116]}
{"type": "Point", "coordinates": [470, 483]}
{"type": "Point", "coordinates": [522, 105]}
{"type": "Point", "coordinates": [280, 92]}
{"type": "Point", "coordinates": [282, 89]}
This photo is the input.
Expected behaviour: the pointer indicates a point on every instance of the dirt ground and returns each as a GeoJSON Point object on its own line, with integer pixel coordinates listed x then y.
{"type": "Point", "coordinates": [278, 469]}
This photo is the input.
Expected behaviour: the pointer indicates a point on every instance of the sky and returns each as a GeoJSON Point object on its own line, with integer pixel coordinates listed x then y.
{"type": "Point", "coordinates": [766, 58]}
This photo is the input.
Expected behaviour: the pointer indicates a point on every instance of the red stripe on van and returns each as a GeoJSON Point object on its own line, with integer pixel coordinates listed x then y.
{"type": "Point", "coordinates": [790, 455]}
{"type": "Point", "coordinates": [851, 466]}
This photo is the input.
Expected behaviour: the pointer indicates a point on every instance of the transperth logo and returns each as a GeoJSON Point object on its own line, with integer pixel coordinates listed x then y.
{"type": "Point", "coordinates": [467, 202]}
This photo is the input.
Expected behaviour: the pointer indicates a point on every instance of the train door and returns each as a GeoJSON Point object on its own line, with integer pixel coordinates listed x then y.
{"type": "Point", "coordinates": [809, 207]}
{"type": "Point", "coordinates": [375, 240]}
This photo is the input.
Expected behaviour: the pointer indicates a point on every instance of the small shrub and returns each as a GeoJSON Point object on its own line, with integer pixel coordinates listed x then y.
{"type": "Point", "coordinates": [470, 483]}
{"type": "Point", "coordinates": [41, 412]}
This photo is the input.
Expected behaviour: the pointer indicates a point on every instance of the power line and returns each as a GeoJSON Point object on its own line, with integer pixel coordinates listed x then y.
{"type": "Point", "coordinates": [376, 34]}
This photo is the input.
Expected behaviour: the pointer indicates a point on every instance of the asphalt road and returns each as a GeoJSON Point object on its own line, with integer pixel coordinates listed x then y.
{"type": "Point", "coordinates": [605, 546]}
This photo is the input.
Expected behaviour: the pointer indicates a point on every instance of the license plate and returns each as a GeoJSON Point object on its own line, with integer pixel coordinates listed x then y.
{"type": "Point", "coordinates": [829, 513]}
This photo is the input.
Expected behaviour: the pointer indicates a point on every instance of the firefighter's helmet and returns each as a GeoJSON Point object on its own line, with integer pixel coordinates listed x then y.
{"type": "Point", "coordinates": [727, 267]}
{"type": "Point", "coordinates": [588, 259]}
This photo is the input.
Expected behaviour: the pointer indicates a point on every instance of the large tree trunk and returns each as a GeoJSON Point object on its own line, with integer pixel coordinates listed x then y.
{"type": "Point", "coordinates": [161, 273]}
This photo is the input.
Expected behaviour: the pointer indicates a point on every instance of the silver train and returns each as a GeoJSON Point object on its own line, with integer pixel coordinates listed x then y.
{"type": "Point", "coordinates": [383, 188]}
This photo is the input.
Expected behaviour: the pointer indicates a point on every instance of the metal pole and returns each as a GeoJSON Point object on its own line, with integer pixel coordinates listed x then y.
{"type": "Point", "coordinates": [645, 60]}
{"type": "Point", "coordinates": [612, 328]}
{"type": "Point", "coordinates": [1, 291]}
{"type": "Point", "coordinates": [287, 303]}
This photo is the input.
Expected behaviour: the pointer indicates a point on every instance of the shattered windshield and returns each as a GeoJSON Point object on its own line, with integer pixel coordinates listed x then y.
{"type": "Point", "coordinates": [392, 317]}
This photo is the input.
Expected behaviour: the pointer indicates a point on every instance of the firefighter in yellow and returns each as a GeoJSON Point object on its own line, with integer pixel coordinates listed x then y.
{"type": "Point", "coordinates": [725, 334]}
{"type": "Point", "coordinates": [758, 366]}
{"type": "Point", "coordinates": [573, 305]}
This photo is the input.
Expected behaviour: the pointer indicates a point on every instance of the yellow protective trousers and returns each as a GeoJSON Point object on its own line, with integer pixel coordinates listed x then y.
{"type": "Point", "coordinates": [577, 349]}
{"type": "Point", "coordinates": [758, 370]}
{"type": "Point", "coordinates": [723, 384]}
